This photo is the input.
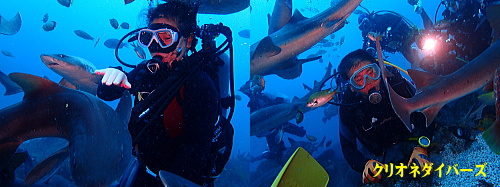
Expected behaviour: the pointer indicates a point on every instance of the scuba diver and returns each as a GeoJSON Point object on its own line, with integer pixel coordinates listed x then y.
{"type": "Point", "coordinates": [399, 32]}
{"type": "Point", "coordinates": [462, 35]}
{"type": "Point", "coordinates": [177, 122]}
{"type": "Point", "coordinates": [366, 115]}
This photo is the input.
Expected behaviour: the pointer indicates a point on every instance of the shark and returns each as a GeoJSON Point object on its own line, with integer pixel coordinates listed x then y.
{"type": "Point", "coordinates": [268, 118]}
{"type": "Point", "coordinates": [77, 73]}
{"type": "Point", "coordinates": [12, 26]}
{"type": "Point", "coordinates": [10, 86]}
{"type": "Point", "coordinates": [298, 35]}
{"type": "Point", "coordinates": [99, 142]}
{"type": "Point", "coordinates": [434, 91]}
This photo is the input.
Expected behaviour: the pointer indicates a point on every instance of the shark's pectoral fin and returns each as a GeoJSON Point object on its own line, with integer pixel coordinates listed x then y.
{"type": "Point", "coordinates": [400, 107]}
{"type": "Point", "coordinates": [431, 113]}
{"type": "Point", "coordinates": [10, 86]}
{"type": "Point", "coordinates": [267, 48]}
{"type": "Point", "coordinates": [34, 86]}
{"type": "Point", "coordinates": [67, 84]}
{"type": "Point", "coordinates": [290, 73]}
{"type": "Point", "coordinates": [292, 68]}
{"type": "Point", "coordinates": [47, 167]}
{"type": "Point", "coordinates": [492, 137]}
{"type": "Point", "coordinates": [12, 26]}
{"type": "Point", "coordinates": [124, 107]}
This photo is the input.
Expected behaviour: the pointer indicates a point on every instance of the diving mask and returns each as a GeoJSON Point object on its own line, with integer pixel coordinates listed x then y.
{"type": "Point", "coordinates": [165, 35]}
{"type": "Point", "coordinates": [358, 78]}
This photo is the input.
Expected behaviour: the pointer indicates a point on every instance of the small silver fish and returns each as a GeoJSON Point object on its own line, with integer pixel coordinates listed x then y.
{"type": "Point", "coordinates": [45, 18]}
{"type": "Point", "coordinates": [48, 26]}
{"type": "Point", "coordinates": [7, 53]}
{"type": "Point", "coordinates": [125, 25]}
{"type": "Point", "coordinates": [320, 98]}
{"type": "Point", "coordinates": [114, 23]}
{"type": "Point", "coordinates": [83, 35]}
{"type": "Point", "coordinates": [65, 3]}
{"type": "Point", "coordinates": [311, 138]}
{"type": "Point", "coordinates": [139, 51]}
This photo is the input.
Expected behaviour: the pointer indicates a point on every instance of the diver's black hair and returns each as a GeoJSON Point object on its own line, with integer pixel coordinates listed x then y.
{"type": "Point", "coordinates": [181, 11]}
{"type": "Point", "coordinates": [352, 59]}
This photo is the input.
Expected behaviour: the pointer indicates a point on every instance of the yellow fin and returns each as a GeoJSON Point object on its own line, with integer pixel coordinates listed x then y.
{"type": "Point", "coordinates": [301, 170]}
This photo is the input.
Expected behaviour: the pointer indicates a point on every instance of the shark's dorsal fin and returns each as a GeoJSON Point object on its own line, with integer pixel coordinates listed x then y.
{"type": "Point", "coordinates": [47, 167]}
{"type": "Point", "coordinates": [306, 87]}
{"type": "Point", "coordinates": [316, 83]}
{"type": "Point", "coordinates": [266, 46]}
{"type": "Point", "coordinates": [124, 107]}
{"type": "Point", "coordinates": [296, 17]}
{"type": "Point", "coordinates": [423, 79]}
{"type": "Point", "coordinates": [295, 98]}
{"type": "Point", "coordinates": [34, 86]}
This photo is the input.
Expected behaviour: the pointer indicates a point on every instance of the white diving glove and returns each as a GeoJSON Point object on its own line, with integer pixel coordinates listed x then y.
{"type": "Point", "coordinates": [113, 76]}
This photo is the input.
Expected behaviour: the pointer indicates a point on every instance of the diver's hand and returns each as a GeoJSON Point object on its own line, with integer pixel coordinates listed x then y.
{"type": "Point", "coordinates": [370, 175]}
{"type": "Point", "coordinates": [420, 158]}
{"type": "Point", "coordinates": [113, 76]}
{"type": "Point", "coordinates": [417, 6]}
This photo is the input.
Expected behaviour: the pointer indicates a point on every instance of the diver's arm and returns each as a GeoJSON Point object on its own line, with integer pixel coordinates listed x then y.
{"type": "Point", "coordinates": [426, 19]}
{"type": "Point", "coordinates": [419, 9]}
{"type": "Point", "coordinates": [352, 155]}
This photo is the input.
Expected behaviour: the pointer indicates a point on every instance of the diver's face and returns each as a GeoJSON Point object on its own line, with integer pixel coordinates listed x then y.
{"type": "Point", "coordinates": [369, 84]}
{"type": "Point", "coordinates": [182, 47]}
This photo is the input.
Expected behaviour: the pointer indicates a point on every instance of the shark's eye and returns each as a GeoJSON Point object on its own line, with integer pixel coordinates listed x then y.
{"type": "Point", "coordinates": [62, 55]}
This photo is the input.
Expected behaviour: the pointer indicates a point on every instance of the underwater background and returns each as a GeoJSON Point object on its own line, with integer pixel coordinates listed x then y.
{"type": "Point", "coordinates": [92, 16]}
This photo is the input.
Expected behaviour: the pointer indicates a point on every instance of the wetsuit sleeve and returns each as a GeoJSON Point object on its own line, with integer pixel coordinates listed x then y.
{"type": "Point", "coordinates": [200, 111]}
{"type": "Point", "coordinates": [352, 155]}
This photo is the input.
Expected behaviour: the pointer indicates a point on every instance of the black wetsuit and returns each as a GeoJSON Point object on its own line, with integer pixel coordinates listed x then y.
{"type": "Point", "coordinates": [184, 148]}
{"type": "Point", "coordinates": [375, 126]}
